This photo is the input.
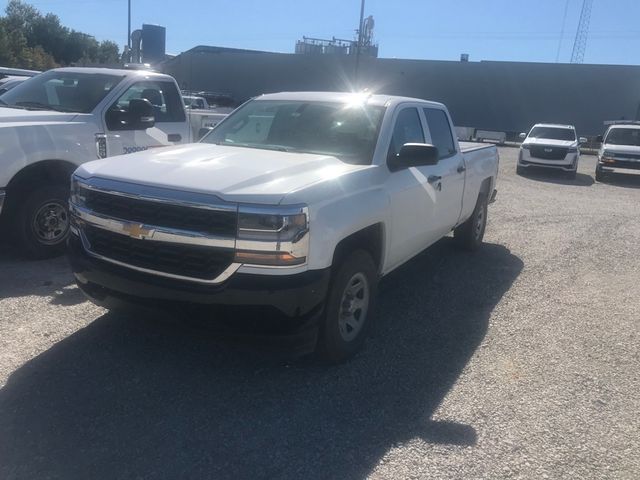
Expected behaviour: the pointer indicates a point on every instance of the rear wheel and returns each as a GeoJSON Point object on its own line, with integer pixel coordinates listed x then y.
{"type": "Point", "coordinates": [41, 223]}
{"type": "Point", "coordinates": [469, 235]}
{"type": "Point", "coordinates": [349, 307]}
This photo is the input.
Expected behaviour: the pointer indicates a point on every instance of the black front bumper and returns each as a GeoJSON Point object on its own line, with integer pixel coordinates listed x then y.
{"type": "Point", "coordinates": [294, 301]}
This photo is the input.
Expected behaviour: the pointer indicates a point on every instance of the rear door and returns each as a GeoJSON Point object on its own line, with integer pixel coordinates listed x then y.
{"type": "Point", "coordinates": [450, 168]}
{"type": "Point", "coordinates": [170, 127]}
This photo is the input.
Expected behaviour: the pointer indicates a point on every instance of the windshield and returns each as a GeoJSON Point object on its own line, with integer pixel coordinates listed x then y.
{"type": "Point", "coordinates": [61, 91]}
{"type": "Point", "coordinates": [624, 136]}
{"type": "Point", "coordinates": [346, 131]}
{"type": "Point", "coordinates": [553, 133]}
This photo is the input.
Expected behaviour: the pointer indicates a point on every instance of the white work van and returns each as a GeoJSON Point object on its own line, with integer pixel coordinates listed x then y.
{"type": "Point", "coordinates": [620, 150]}
{"type": "Point", "coordinates": [55, 121]}
{"type": "Point", "coordinates": [296, 204]}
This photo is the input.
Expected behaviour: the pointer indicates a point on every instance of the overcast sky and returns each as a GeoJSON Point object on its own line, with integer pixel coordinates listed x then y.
{"type": "Point", "coordinates": [514, 30]}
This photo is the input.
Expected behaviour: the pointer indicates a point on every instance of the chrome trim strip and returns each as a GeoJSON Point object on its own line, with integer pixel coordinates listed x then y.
{"type": "Point", "coordinates": [157, 233]}
{"type": "Point", "coordinates": [156, 194]}
{"type": "Point", "coordinates": [230, 270]}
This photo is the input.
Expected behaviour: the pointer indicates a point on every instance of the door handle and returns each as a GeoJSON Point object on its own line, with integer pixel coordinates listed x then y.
{"type": "Point", "coordinates": [461, 169]}
{"type": "Point", "coordinates": [434, 178]}
{"type": "Point", "coordinates": [174, 137]}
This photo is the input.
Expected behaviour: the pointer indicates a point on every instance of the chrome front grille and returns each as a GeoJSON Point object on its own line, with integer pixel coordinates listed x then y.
{"type": "Point", "coordinates": [169, 233]}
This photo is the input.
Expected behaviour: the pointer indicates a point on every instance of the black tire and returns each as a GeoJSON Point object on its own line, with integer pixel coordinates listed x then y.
{"type": "Point", "coordinates": [520, 170]}
{"type": "Point", "coordinates": [469, 235]}
{"type": "Point", "coordinates": [600, 175]}
{"type": "Point", "coordinates": [572, 175]}
{"type": "Point", "coordinates": [41, 222]}
{"type": "Point", "coordinates": [343, 330]}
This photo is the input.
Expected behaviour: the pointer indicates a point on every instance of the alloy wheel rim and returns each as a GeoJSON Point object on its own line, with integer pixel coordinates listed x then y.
{"type": "Point", "coordinates": [50, 223]}
{"type": "Point", "coordinates": [353, 307]}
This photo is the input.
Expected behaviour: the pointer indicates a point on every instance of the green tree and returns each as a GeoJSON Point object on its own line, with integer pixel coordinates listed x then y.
{"type": "Point", "coordinates": [30, 40]}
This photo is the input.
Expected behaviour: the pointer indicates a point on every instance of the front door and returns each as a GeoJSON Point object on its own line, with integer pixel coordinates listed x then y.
{"type": "Point", "coordinates": [170, 127]}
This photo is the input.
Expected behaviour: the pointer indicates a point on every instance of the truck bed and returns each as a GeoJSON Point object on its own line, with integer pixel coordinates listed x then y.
{"type": "Point", "coordinates": [466, 147]}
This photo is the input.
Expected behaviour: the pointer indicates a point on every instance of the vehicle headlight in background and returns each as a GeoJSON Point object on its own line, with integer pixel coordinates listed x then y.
{"type": "Point", "coordinates": [272, 236]}
{"type": "Point", "coordinates": [607, 157]}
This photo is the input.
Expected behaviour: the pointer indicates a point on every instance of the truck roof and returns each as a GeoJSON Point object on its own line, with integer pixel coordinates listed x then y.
{"type": "Point", "coordinates": [112, 71]}
{"type": "Point", "coordinates": [624, 125]}
{"type": "Point", "coordinates": [554, 125]}
{"type": "Point", "coordinates": [346, 97]}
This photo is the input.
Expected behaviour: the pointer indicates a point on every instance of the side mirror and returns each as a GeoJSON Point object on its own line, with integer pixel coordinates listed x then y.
{"type": "Point", "coordinates": [141, 114]}
{"type": "Point", "coordinates": [582, 140]}
{"type": "Point", "coordinates": [203, 131]}
{"type": "Point", "coordinates": [522, 136]}
{"type": "Point", "coordinates": [599, 139]}
{"type": "Point", "coordinates": [413, 155]}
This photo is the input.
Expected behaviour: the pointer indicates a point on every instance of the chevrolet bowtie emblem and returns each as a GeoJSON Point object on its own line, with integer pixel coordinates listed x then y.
{"type": "Point", "coordinates": [137, 230]}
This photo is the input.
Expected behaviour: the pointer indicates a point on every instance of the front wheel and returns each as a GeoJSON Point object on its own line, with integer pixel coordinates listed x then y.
{"type": "Point", "coordinates": [349, 307]}
{"type": "Point", "coordinates": [469, 235]}
{"type": "Point", "coordinates": [41, 223]}
{"type": "Point", "coordinates": [600, 176]}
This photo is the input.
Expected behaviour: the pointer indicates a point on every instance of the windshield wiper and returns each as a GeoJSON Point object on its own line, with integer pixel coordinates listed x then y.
{"type": "Point", "coordinates": [262, 146]}
{"type": "Point", "coordinates": [41, 106]}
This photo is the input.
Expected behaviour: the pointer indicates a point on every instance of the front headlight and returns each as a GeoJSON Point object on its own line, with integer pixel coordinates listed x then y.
{"type": "Point", "coordinates": [525, 147]}
{"type": "Point", "coordinates": [77, 196]}
{"type": "Point", "coordinates": [573, 150]}
{"type": "Point", "coordinates": [607, 157]}
{"type": "Point", "coordinates": [272, 236]}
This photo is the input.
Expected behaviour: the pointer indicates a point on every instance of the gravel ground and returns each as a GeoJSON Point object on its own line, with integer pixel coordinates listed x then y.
{"type": "Point", "coordinates": [518, 361]}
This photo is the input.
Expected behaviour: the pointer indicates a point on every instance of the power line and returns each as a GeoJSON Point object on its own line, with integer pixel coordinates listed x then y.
{"type": "Point", "coordinates": [564, 21]}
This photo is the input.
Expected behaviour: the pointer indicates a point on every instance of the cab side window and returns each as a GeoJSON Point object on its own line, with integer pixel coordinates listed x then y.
{"type": "Point", "coordinates": [407, 129]}
{"type": "Point", "coordinates": [163, 96]}
{"type": "Point", "coordinates": [441, 136]}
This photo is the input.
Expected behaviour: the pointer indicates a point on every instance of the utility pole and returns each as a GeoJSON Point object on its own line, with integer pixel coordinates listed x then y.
{"type": "Point", "coordinates": [359, 47]}
{"type": "Point", "coordinates": [129, 29]}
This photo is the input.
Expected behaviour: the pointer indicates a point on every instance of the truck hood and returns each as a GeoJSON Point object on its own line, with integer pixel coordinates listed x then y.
{"type": "Point", "coordinates": [18, 115]}
{"type": "Point", "coordinates": [608, 147]}
{"type": "Point", "coordinates": [232, 173]}
{"type": "Point", "coordinates": [550, 142]}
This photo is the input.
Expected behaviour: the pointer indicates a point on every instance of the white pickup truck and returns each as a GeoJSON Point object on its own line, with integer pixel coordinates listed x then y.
{"type": "Point", "coordinates": [296, 204]}
{"type": "Point", "coordinates": [55, 121]}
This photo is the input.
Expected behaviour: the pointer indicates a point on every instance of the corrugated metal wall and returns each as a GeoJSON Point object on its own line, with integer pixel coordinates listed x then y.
{"type": "Point", "coordinates": [500, 96]}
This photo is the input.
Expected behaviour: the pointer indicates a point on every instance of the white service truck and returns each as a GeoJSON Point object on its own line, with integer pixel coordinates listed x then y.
{"type": "Point", "coordinates": [620, 150]}
{"type": "Point", "coordinates": [294, 206]}
{"type": "Point", "coordinates": [55, 121]}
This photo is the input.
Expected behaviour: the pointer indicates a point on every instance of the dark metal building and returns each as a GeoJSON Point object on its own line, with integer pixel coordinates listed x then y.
{"type": "Point", "coordinates": [504, 96]}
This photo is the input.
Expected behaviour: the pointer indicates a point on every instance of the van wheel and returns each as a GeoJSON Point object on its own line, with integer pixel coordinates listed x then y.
{"type": "Point", "coordinates": [600, 175]}
{"type": "Point", "coordinates": [519, 170]}
{"type": "Point", "coordinates": [469, 235]}
{"type": "Point", "coordinates": [349, 307]}
{"type": "Point", "coordinates": [41, 223]}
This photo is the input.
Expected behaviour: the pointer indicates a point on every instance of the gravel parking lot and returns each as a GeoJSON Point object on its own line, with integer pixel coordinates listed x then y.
{"type": "Point", "coordinates": [518, 361]}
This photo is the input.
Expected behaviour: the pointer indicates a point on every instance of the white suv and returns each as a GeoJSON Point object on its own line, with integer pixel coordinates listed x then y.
{"type": "Point", "coordinates": [550, 146]}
